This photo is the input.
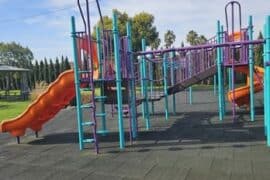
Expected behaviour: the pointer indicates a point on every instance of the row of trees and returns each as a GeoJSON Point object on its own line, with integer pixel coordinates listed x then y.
{"type": "Point", "coordinates": [48, 71]}
{"type": "Point", "coordinates": [14, 54]}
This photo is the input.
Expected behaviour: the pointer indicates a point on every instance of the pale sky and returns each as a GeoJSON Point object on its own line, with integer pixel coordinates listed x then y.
{"type": "Point", "coordinates": [44, 25]}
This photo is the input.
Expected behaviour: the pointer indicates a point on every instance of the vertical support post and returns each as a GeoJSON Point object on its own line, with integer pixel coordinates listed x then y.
{"type": "Point", "coordinates": [77, 82]}
{"type": "Point", "coordinates": [190, 88]}
{"type": "Point", "coordinates": [190, 95]}
{"type": "Point", "coordinates": [151, 72]}
{"type": "Point", "coordinates": [118, 82]}
{"type": "Point", "coordinates": [251, 67]}
{"type": "Point", "coordinates": [132, 83]}
{"type": "Point", "coordinates": [165, 62]}
{"type": "Point", "coordinates": [220, 75]}
{"type": "Point", "coordinates": [222, 70]}
{"type": "Point", "coordinates": [229, 78]}
{"type": "Point", "coordinates": [172, 54]}
{"type": "Point", "coordinates": [265, 84]}
{"type": "Point", "coordinates": [144, 88]}
{"type": "Point", "coordinates": [266, 105]}
{"type": "Point", "coordinates": [142, 84]}
{"type": "Point", "coordinates": [103, 130]}
{"type": "Point", "coordinates": [267, 79]}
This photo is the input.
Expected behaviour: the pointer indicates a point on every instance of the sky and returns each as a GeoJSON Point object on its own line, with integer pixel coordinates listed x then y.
{"type": "Point", "coordinates": [44, 25]}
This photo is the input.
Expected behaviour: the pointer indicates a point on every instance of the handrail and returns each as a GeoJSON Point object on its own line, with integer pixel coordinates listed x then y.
{"type": "Point", "coordinates": [232, 3]}
{"type": "Point", "coordinates": [82, 15]}
{"type": "Point", "coordinates": [100, 14]}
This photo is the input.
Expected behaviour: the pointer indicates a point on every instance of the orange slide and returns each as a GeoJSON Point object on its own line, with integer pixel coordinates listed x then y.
{"type": "Point", "coordinates": [242, 94]}
{"type": "Point", "coordinates": [47, 105]}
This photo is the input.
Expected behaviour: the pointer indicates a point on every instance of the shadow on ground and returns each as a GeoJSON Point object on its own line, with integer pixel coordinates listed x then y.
{"type": "Point", "coordinates": [189, 129]}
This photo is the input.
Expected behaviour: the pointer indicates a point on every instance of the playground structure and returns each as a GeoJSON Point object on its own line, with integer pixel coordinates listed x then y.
{"type": "Point", "coordinates": [163, 73]}
{"type": "Point", "coordinates": [113, 74]}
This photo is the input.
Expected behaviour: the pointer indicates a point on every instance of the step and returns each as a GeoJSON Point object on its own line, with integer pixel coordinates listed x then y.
{"type": "Point", "coordinates": [86, 89]}
{"type": "Point", "coordinates": [89, 140]}
{"type": "Point", "coordinates": [100, 98]}
{"type": "Point", "coordinates": [99, 80]}
{"type": "Point", "coordinates": [84, 71]}
{"type": "Point", "coordinates": [87, 106]}
{"type": "Point", "coordinates": [100, 114]}
{"type": "Point", "coordinates": [103, 132]}
{"type": "Point", "coordinates": [88, 123]}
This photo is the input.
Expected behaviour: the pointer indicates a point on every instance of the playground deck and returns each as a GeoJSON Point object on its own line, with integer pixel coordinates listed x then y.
{"type": "Point", "coordinates": [192, 145]}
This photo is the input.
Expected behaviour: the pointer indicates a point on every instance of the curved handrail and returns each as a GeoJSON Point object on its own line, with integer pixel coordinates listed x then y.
{"type": "Point", "coordinates": [232, 3]}
{"type": "Point", "coordinates": [82, 15]}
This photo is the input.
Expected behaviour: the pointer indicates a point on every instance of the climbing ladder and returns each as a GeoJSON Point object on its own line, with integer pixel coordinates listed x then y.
{"type": "Point", "coordinates": [85, 62]}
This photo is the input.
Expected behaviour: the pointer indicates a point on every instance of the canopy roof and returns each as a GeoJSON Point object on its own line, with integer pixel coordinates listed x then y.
{"type": "Point", "coordinates": [6, 68]}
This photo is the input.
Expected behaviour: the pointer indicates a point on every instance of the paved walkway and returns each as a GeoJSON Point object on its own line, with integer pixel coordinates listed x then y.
{"type": "Point", "coordinates": [193, 144]}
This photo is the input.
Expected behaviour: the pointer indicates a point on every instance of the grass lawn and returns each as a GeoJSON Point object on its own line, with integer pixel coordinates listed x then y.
{"type": "Point", "coordinates": [12, 109]}
{"type": "Point", "coordinates": [11, 92]}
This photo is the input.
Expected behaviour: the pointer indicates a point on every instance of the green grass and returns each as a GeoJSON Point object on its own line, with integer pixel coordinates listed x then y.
{"type": "Point", "coordinates": [11, 92]}
{"type": "Point", "coordinates": [10, 110]}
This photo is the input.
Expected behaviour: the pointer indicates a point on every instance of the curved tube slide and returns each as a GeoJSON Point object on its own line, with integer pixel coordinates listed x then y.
{"type": "Point", "coordinates": [242, 94]}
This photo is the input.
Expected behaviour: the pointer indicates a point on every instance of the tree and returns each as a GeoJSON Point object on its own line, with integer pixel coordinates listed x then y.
{"type": "Point", "coordinates": [36, 71]}
{"type": "Point", "coordinates": [142, 27]}
{"type": "Point", "coordinates": [259, 52]}
{"type": "Point", "coordinates": [155, 44]}
{"type": "Point", "coordinates": [67, 65]}
{"type": "Point", "coordinates": [62, 65]}
{"type": "Point", "coordinates": [41, 71]}
{"type": "Point", "coordinates": [51, 71]}
{"type": "Point", "coordinates": [201, 39]}
{"type": "Point", "coordinates": [46, 71]}
{"type": "Point", "coordinates": [182, 44]}
{"type": "Point", "coordinates": [31, 76]}
{"type": "Point", "coordinates": [192, 37]}
{"type": "Point", "coordinates": [169, 38]}
{"type": "Point", "coordinates": [15, 55]}
{"type": "Point", "coordinates": [123, 18]}
{"type": "Point", "coordinates": [182, 53]}
{"type": "Point", "coordinates": [57, 67]}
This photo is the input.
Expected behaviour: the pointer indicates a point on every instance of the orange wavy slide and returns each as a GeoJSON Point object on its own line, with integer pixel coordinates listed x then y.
{"type": "Point", "coordinates": [46, 106]}
{"type": "Point", "coordinates": [242, 94]}
{"type": "Point", "coordinates": [49, 103]}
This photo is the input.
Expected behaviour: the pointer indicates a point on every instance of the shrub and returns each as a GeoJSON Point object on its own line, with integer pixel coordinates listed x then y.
{"type": "Point", "coordinates": [40, 88]}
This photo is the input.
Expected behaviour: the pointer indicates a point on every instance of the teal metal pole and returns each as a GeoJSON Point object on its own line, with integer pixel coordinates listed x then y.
{"type": "Point", "coordinates": [103, 129]}
{"type": "Point", "coordinates": [266, 89]}
{"type": "Point", "coordinates": [151, 72]}
{"type": "Point", "coordinates": [118, 82]}
{"type": "Point", "coordinates": [165, 86]}
{"type": "Point", "coordinates": [144, 88]}
{"type": "Point", "coordinates": [190, 88]}
{"type": "Point", "coordinates": [251, 67]}
{"type": "Point", "coordinates": [142, 84]}
{"type": "Point", "coordinates": [222, 71]}
{"type": "Point", "coordinates": [220, 74]}
{"type": "Point", "coordinates": [132, 84]}
{"type": "Point", "coordinates": [173, 80]}
{"type": "Point", "coordinates": [230, 78]}
{"type": "Point", "coordinates": [99, 51]}
{"type": "Point", "coordinates": [77, 82]}
{"type": "Point", "coordinates": [267, 52]}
